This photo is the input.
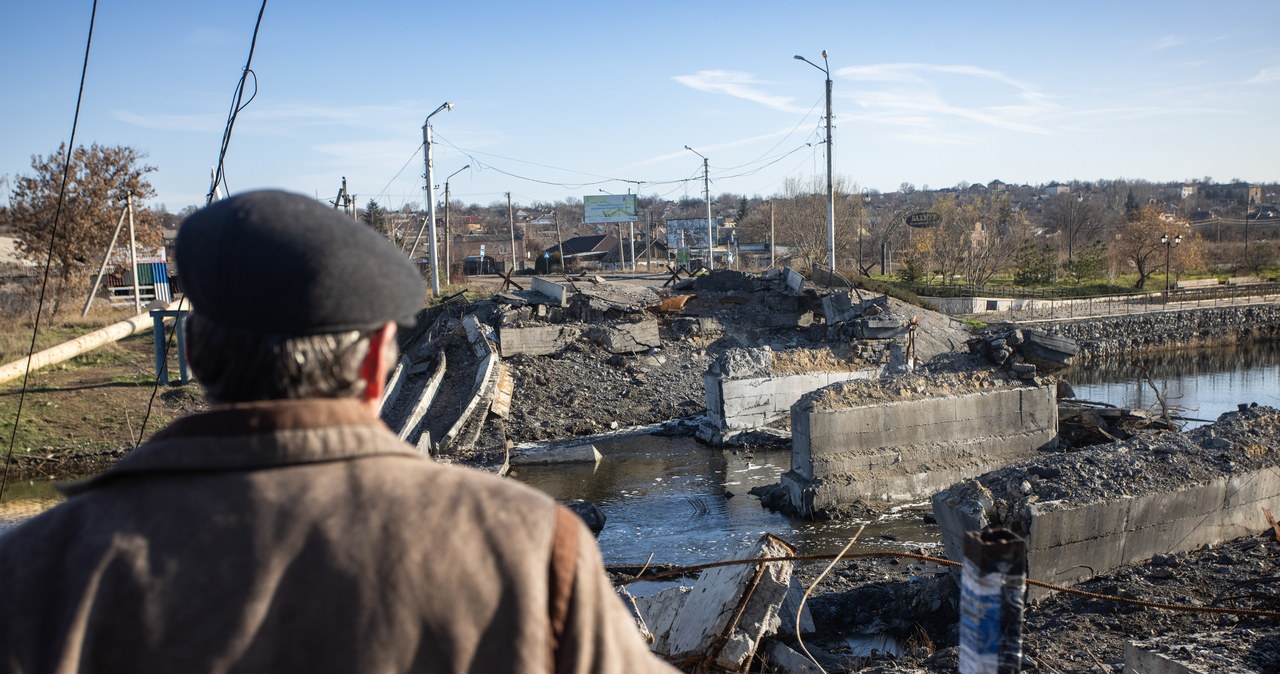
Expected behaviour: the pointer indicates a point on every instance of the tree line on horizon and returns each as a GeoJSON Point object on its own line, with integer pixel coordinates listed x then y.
{"type": "Point", "coordinates": [1100, 231]}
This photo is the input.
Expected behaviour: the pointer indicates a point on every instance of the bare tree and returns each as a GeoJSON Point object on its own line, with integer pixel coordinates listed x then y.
{"type": "Point", "coordinates": [1078, 221]}
{"type": "Point", "coordinates": [98, 181]}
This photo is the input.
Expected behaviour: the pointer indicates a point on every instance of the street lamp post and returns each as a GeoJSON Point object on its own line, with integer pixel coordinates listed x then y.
{"type": "Point", "coordinates": [706, 193]}
{"type": "Point", "coordinates": [448, 233]}
{"type": "Point", "coordinates": [831, 195]}
{"type": "Point", "coordinates": [511, 222]}
{"type": "Point", "coordinates": [431, 202]}
{"type": "Point", "coordinates": [1169, 243]}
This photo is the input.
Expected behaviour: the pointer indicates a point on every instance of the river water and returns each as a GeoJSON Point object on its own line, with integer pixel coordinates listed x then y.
{"type": "Point", "coordinates": [685, 503]}
{"type": "Point", "coordinates": [666, 495]}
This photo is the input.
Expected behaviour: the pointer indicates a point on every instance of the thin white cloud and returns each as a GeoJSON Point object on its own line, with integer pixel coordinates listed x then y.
{"type": "Point", "coordinates": [1166, 42]}
{"type": "Point", "coordinates": [912, 92]}
{"type": "Point", "coordinates": [1265, 75]}
{"type": "Point", "coordinates": [171, 122]}
{"type": "Point", "coordinates": [711, 148]}
{"type": "Point", "coordinates": [739, 85]}
{"type": "Point", "coordinates": [284, 119]}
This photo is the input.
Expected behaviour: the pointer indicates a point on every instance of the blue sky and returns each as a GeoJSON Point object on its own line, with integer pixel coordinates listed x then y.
{"type": "Point", "coordinates": [561, 99]}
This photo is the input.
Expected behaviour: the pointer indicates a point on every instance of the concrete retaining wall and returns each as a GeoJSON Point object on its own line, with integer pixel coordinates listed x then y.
{"type": "Point", "coordinates": [743, 404]}
{"type": "Point", "coordinates": [1070, 543]}
{"type": "Point", "coordinates": [910, 449]}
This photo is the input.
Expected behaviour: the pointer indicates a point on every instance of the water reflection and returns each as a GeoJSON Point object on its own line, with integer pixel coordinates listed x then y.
{"type": "Point", "coordinates": [1204, 383]}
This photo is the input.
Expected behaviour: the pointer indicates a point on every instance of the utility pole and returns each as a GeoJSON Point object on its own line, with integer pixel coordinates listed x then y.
{"type": "Point", "coordinates": [88, 302]}
{"type": "Point", "coordinates": [555, 220]}
{"type": "Point", "coordinates": [831, 195]}
{"type": "Point", "coordinates": [511, 222]}
{"type": "Point", "coordinates": [133, 255]}
{"type": "Point", "coordinates": [773, 244]}
{"type": "Point", "coordinates": [634, 263]}
{"type": "Point", "coordinates": [431, 202]}
{"type": "Point", "coordinates": [706, 193]}
{"type": "Point", "coordinates": [448, 234]}
{"type": "Point", "coordinates": [648, 242]}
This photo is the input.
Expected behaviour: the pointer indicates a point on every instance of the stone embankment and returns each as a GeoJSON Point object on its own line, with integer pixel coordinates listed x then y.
{"type": "Point", "coordinates": [1179, 329]}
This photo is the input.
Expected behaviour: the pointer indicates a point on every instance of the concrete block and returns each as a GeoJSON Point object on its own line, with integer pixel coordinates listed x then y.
{"type": "Point", "coordinates": [909, 449]}
{"type": "Point", "coordinates": [558, 293]}
{"type": "Point", "coordinates": [838, 307]}
{"type": "Point", "coordinates": [631, 337]}
{"type": "Point", "coordinates": [552, 455]}
{"type": "Point", "coordinates": [882, 327]}
{"type": "Point", "coordinates": [1069, 542]}
{"type": "Point", "coordinates": [787, 660]}
{"type": "Point", "coordinates": [793, 280]}
{"type": "Point", "coordinates": [538, 340]}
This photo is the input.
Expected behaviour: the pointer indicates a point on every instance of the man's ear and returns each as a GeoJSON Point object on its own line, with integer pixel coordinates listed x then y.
{"type": "Point", "coordinates": [377, 365]}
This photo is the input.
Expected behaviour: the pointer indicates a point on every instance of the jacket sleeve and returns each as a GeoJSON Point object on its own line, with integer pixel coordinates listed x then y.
{"type": "Point", "coordinates": [599, 635]}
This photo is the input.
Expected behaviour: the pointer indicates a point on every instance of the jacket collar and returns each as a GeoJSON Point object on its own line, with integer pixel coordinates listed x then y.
{"type": "Point", "coordinates": [257, 435]}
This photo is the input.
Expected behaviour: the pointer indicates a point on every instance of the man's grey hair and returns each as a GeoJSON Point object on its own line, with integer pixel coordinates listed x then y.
{"type": "Point", "coordinates": [234, 365]}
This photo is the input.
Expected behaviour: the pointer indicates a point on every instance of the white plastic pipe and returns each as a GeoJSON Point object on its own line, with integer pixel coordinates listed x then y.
{"type": "Point", "coordinates": [68, 350]}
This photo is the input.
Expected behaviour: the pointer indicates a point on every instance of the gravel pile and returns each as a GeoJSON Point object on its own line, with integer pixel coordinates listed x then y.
{"type": "Point", "coordinates": [909, 387]}
{"type": "Point", "coordinates": [915, 603]}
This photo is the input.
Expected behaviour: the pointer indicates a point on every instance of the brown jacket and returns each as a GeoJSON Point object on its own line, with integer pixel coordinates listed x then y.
{"type": "Point", "coordinates": [302, 536]}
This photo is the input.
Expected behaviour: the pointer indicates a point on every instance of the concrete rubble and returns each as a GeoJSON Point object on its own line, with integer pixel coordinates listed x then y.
{"type": "Point", "coordinates": [584, 355]}
{"type": "Point", "coordinates": [721, 620]}
{"type": "Point", "coordinates": [1027, 352]}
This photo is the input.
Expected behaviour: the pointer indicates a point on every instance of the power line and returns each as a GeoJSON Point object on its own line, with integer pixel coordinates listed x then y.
{"type": "Point", "coordinates": [53, 236]}
{"type": "Point", "coordinates": [236, 106]}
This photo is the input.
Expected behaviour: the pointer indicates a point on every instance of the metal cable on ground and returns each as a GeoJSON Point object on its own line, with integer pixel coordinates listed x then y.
{"type": "Point", "coordinates": [686, 570]}
{"type": "Point", "coordinates": [53, 236]}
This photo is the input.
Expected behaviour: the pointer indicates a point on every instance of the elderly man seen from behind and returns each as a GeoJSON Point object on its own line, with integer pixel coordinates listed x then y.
{"type": "Point", "coordinates": [287, 529]}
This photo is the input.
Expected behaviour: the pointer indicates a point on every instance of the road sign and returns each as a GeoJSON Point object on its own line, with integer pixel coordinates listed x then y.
{"type": "Point", "coordinates": [924, 219]}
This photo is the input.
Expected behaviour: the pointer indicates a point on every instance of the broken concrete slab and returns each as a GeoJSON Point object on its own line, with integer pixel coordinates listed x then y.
{"type": "Point", "coordinates": [536, 340]}
{"type": "Point", "coordinates": [425, 396]}
{"type": "Point", "coordinates": [1202, 653]}
{"type": "Point", "coordinates": [709, 621]}
{"type": "Point", "coordinates": [848, 446]}
{"type": "Point", "coordinates": [746, 389]}
{"type": "Point", "coordinates": [557, 454]}
{"type": "Point", "coordinates": [793, 612]}
{"type": "Point", "coordinates": [1048, 352]}
{"type": "Point", "coordinates": [1088, 512]}
{"type": "Point", "coordinates": [628, 337]}
{"type": "Point", "coordinates": [392, 390]}
{"type": "Point", "coordinates": [556, 292]}
{"type": "Point", "coordinates": [793, 280]}
{"type": "Point", "coordinates": [884, 326]}
{"type": "Point", "coordinates": [838, 307]}
{"type": "Point", "coordinates": [788, 660]}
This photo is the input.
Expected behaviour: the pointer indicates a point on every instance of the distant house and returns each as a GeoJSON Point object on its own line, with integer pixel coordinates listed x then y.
{"type": "Point", "coordinates": [586, 251]}
{"type": "Point", "coordinates": [997, 186]}
{"type": "Point", "coordinates": [1056, 189]}
{"type": "Point", "coordinates": [613, 259]}
{"type": "Point", "coordinates": [496, 246]}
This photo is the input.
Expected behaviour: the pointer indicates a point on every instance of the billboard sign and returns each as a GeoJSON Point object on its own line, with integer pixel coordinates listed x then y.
{"type": "Point", "coordinates": [690, 233]}
{"type": "Point", "coordinates": [603, 208]}
{"type": "Point", "coordinates": [924, 219]}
